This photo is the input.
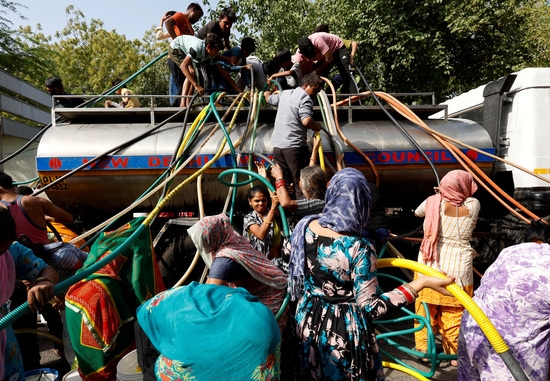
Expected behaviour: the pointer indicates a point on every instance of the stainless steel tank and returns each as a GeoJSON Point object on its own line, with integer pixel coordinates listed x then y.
{"type": "Point", "coordinates": [120, 178]}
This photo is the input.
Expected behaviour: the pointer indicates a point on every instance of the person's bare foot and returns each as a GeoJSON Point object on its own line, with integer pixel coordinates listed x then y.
{"type": "Point", "coordinates": [454, 363]}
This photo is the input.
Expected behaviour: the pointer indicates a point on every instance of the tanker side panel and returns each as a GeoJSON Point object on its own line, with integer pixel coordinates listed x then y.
{"type": "Point", "coordinates": [120, 178]}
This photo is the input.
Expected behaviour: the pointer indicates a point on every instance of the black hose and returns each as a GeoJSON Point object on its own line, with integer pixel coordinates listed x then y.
{"type": "Point", "coordinates": [180, 140]}
{"type": "Point", "coordinates": [407, 135]}
{"type": "Point", "coordinates": [26, 145]}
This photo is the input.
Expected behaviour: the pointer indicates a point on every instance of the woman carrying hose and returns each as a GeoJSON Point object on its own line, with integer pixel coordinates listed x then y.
{"type": "Point", "coordinates": [451, 216]}
{"type": "Point", "coordinates": [333, 273]}
{"type": "Point", "coordinates": [515, 295]}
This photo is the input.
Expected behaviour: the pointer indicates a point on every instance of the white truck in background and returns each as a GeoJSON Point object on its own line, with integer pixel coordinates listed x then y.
{"type": "Point", "coordinates": [515, 111]}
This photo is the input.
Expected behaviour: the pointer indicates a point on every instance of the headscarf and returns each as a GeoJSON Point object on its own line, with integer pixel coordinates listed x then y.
{"type": "Point", "coordinates": [203, 331]}
{"type": "Point", "coordinates": [455, 187]}
{"type": "Point", "coordinates": [7, 285]}
{"type": "Point", "coordinates": [347, 210]}
{"type": "Point", "coordinates": [214, 236]}
{"type": "Point", "coordinates": [101, 307]}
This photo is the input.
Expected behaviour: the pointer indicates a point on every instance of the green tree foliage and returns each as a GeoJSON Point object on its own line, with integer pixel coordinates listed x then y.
{"type": "Point", "coordinates": [538, 34]}
{"type": "Point", "coordinates": [8, 45]}
{"type": "Point", "coordinates": [17, 54]}
{"type": "Point", "coordinates": [88, 58]}
{"type": "Point", "coordinates": [430, 45]}
{"type": "Point", "coordinates": [36, 47]}
{"type": "Point", "coordinates": [404, 45]}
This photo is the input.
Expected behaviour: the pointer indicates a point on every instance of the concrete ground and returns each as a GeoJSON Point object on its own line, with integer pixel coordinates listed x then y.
{"type": "Point", "coordinates": [445, 372]}
{"type": "Point", "coordinates": [49, 358]}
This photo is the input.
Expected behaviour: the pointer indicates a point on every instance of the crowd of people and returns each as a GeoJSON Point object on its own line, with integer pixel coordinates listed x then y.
{"type": "Point", "coordinates": [204, 60]}
{"type": "Point", "coordinates": [328, 268]}
{"type": "Point", "coordinates": [38, 260]}
{"type": "Point", "coordinates": [209, 53]}
{"type": "Point", "coordinates": [326, 332]}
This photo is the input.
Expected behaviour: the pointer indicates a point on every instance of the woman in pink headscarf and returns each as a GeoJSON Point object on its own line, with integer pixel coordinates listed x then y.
{"type": "Point", "coordinates": [451, 216]}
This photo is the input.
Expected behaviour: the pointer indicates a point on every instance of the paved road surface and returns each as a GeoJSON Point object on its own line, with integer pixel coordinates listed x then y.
{"type": "Point", "coordinates": [445, 372]}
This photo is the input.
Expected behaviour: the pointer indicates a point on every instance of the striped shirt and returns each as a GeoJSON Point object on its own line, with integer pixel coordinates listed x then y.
{"type": "Point", "coordinates": [455, 253]}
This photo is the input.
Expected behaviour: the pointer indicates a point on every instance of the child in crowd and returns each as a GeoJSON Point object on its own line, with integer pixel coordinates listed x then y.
{"type": "Point", "coordinates": [128, 101]}
{"type": "Point", "coordinates": [284, 70]}
{"type": "Point", "coordinates": [248, 46]}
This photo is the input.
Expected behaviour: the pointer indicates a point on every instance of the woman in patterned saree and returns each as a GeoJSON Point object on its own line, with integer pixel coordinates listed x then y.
{"type": "Point", "coordinates": [515, 295]}
{"type": "Point", "coordinates": [233, 261]}
{"type": "Point", "coordinates": [333, 272]}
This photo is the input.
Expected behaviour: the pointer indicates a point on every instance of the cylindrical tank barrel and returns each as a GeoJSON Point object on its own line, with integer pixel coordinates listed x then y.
{"type": "Point", "coordinates": [121, 177]}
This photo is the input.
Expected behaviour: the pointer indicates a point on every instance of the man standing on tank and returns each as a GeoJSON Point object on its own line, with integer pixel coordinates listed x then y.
{"type": "Point", "coordinates": [294, 117]}
{"type": "Point", "coordinates": [320, 51]}
{"type": "Point", "coordinates": [180, 24]}
{"type": "Point", "coordinates": [222, 29]}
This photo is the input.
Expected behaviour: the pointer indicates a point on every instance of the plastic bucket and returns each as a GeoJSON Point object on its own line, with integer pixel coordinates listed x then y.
{"type": "Point", "coordinates": [128, 368]}
{"type": "Point", "coordinates": [72, 376]}
{"type": "Point", "coordinates": [42, 374]}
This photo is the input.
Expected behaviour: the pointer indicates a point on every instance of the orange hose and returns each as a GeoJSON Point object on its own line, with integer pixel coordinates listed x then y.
{"type": "Point", "coordinates": [345, 139]}
{"type": "Point", "coordinates": [462, 158]}
{"type": "Point", "coordinates": [523, 169]}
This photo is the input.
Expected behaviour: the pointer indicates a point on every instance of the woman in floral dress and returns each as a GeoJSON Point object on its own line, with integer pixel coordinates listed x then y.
{"type": "Point", "coordinates": [515, 295]}
{"type": "Point", "coordinates": [333, 273]}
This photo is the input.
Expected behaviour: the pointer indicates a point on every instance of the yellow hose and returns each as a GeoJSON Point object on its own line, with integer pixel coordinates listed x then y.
{"type": "Point", "coordinates": [482, 320]}
{"type": "Point", "coordinates": [196, 122]}
{"type": "Point", "coordinates": [37, 332]}
{"type": "Point", "coordinates": [344, 137]}
{"type": "Point", "coordinates": [191, 178]}
{"type": "Point", "coordinates": [404, 369]}
{"type": "Point", "coordinates": [321, 155]}
{"type": "Point", "coordinates": [145, 197]}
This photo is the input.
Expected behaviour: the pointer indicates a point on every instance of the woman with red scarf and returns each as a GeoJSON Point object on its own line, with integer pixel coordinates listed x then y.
{"type": "Point", "coordinates": [450, 218]}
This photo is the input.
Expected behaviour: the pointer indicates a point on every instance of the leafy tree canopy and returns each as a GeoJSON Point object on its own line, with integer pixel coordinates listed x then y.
{"type": "Point", "coordinates": [432, 45]}
{"type": "Point", "coordinates": [88, 58]}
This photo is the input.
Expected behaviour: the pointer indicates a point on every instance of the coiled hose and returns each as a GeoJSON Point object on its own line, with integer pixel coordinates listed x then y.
{"type": "Point", "coordinates": [485, 324]}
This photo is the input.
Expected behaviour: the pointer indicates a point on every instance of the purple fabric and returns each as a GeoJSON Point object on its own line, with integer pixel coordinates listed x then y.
{"type": "Point", "coordinates": [515, 295]}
